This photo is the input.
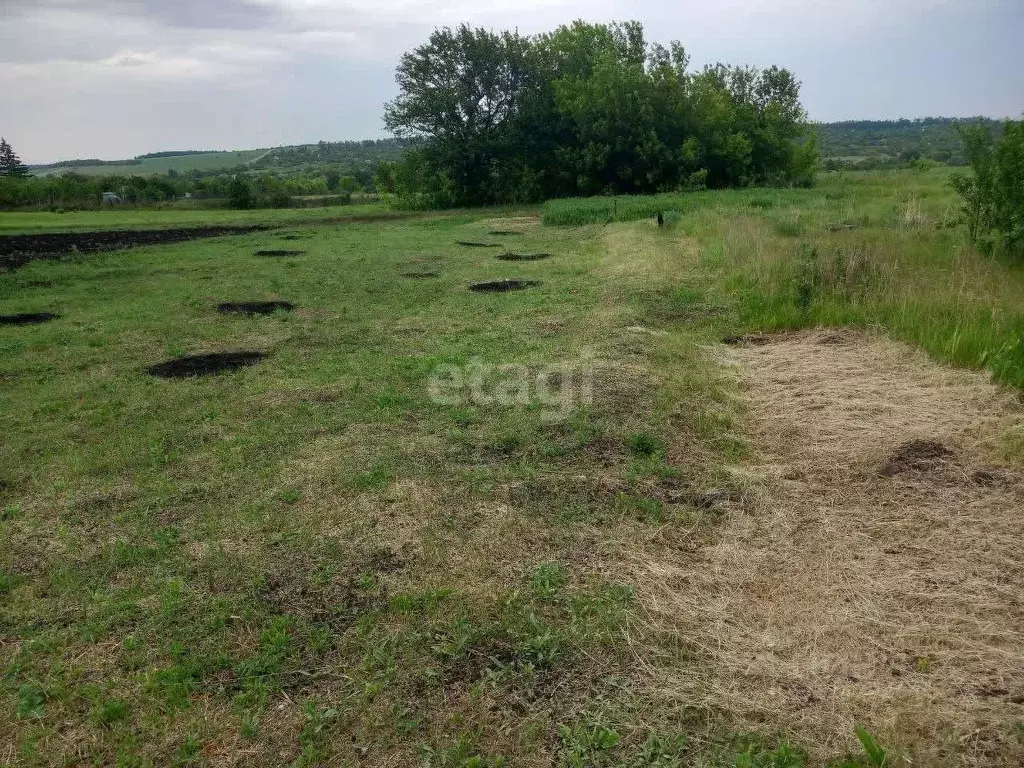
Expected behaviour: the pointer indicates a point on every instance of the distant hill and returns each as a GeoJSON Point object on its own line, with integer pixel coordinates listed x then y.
{"type": "Point", "coordinates": [882, 142]}
{"type": "Point", "coordinates": [856, 143]}
{"type": "Point", "coordinates": [155, 163]}
{"type": "Point", "coordinates": [350, 154]}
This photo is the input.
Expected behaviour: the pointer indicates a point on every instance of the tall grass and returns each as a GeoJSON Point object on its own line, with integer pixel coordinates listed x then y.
{"type": "Point", "coordinates": [580, 211]}
{"type": "Point", "coordinates": [922, 284]}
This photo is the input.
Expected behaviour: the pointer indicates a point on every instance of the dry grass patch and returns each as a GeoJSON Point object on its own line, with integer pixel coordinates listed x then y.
{"type": "Point", "coordinates": [848, 595]}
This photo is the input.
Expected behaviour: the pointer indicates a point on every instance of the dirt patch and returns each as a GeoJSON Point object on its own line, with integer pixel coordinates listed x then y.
{"type": "Point", "coordinates": [504, 233]}
{"type": "Point", "coordinates": [524, 256]}
{"type": "Point", "coordinates": [916, 456]}
{"type": "Point", "coordinates": [295, 237]}
{"type": "Point", "coordinates": [16, 250]}
{"type": "Point", "coordinates": [837, 597]}
{"type": "Point", "coordinates": [28, 318]}
{"type": "Point", "coordinates": [502, 286]}
{"type": "Point", "coordinates": [747, 340]}
{"type": "Point", "coordinates": [474, 244]}
{"type": "Point", "coordinates": [255, 307]}
{"type": "Point", "coordinates": [204, 365]}
{"type": "Point", "coordinates": [424, 273]}
{"type": "Point", "coordinates": [279, 252]}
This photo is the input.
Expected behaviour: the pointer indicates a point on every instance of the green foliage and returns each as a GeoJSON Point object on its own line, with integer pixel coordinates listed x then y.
{"type": "Point", "coordinates": [586, 109]}
{"type": "Point", "coordinates": [875, 753]}
{"type": "Point", "coordinates": [240, 193]}
{"type": "Point", "coordinates": [10, 164]}
{"type": "Point", "coordinates": [992, 198]}
{"type": "Point", "coordinates": [877, 144]}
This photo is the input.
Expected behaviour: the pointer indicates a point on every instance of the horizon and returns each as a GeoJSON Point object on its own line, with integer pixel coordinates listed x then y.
{"type": "Point", "coordinates": [113, 79]}
{"type": "Point", "coordinates": [181, 151]}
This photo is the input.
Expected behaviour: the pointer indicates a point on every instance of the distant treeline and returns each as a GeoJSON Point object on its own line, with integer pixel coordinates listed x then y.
{"type": "Point", "coordinates": [584, 110]}
{"type": "Point", "coordinates": [240, 187]}
{"type": "Point", "coordinates": [893, 143]}
{"type": "Point", "coordinates": [89, 161]}
{"type": "Point", "coordinates": [179, 153]}
{"type": "Point", "coordinates": [351, 154]}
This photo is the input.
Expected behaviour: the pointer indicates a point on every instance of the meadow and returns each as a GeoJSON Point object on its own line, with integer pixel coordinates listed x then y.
{"type": "Point", "coordinates": [420, 529]}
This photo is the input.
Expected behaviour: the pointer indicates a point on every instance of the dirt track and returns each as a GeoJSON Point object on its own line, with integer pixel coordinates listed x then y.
{"type": "Point", "coordinates": [16, 250]}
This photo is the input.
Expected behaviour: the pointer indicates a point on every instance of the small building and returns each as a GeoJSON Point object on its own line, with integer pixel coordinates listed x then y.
{"type": "Point", "coordinates": [109, 198]}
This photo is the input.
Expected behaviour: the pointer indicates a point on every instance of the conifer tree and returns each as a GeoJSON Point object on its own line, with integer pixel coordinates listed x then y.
{"type": "Point", "coordinates": [10, 163]}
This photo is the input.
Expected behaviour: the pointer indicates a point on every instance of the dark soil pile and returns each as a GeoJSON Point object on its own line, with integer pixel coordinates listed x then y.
{"type": "Point", "coordinates": [524, 256]}
{"type": "Point", "coordinates": [475, 244]}
{"type": "Point", "coordinates": [279, 252]}
{"type": "Point", "coordinates": [917, 455]}
{"type": "Point", "coordinates": [204, 365]}
{"type": "Point", "coordinates": [254, 307]}
{"type": "Point", "coordinates": [502, 286]}
{"type": "Point", "coordinates": [28, 318]}
{"type": "Point", "coordinates": [16, 250]}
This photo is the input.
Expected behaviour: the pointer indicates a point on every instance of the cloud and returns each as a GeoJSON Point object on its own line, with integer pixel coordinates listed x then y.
{"type": "Point", "coordinates": [111, 78]}
{"type": "Point", "coordinates": [180, 14]}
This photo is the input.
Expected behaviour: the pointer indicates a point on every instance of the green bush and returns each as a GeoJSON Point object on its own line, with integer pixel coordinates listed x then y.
{"type": "Point", "coordinates": [992, 197]}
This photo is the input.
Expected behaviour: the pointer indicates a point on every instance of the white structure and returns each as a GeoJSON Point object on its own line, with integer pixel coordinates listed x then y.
{"type": "Point", "coordinates": [109, 198]}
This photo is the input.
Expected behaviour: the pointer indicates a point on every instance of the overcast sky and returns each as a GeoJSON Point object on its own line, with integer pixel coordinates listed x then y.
{"type": "Point", "coordinates": [116, 78]}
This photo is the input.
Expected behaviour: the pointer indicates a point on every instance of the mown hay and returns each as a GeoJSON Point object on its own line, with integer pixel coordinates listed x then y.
{"type": "Point", "coordinates": [841, 595]}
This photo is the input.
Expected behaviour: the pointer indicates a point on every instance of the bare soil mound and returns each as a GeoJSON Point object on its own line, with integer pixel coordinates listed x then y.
{"type": "Point", "coordinates": [475, 244]}
{"type": "Point", "coordinates": [16, 250]}
{"type": "Point", "coordinates": [204, 365]}
{"type": "Point", "coordinates": [254, 307]}
{"type": "Point", "coordinates": [279, 252]}
{"type": "Point", "coordinates": [28, 318]}
{"type": "Point", "coordinates": [523, 256]}
{"type": "Point", "coordinates": [916, 455]}
{"type": "Point", "coordinates": [502, 286]}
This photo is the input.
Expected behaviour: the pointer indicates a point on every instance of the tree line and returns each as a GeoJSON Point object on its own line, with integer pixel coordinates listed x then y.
{"type": "Point", "coordinates": [882, 144]}
{"type": "Point", "coordinates": [584, 110]}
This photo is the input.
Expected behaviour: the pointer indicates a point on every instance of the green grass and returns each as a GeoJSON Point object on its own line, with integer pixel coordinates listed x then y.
{"type": "Point", "coordinates": [314, 561]}
{"type": "Point", "coordinates": [867, 249]}
{"type": "Point", "coordinates": [308, 554]}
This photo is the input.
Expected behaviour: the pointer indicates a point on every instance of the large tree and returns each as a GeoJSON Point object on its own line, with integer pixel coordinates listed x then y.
{"type": "Point", "coordinates": [586, 109]}
{"type": "Point", "coordinates": [10, 163]}
{"type": "Point", "coordinates": [462, 90]}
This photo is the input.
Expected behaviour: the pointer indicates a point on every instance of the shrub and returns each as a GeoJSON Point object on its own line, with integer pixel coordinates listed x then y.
{"type": "Point", "coordinates": [992, 197]}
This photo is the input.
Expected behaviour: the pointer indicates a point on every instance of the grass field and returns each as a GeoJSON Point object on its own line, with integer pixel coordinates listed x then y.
{"type": "Point", "coordinates": [205, 161]}
{"type": "Point", "coordinates": [374, 546]}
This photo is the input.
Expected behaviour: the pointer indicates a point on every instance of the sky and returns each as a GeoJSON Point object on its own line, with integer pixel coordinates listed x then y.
{"type": "Point", "coordinates": [116, 78]}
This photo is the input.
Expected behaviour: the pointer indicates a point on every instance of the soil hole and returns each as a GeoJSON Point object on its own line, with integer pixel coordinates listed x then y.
{"type": "Point", "coordinates": [254, 307]}
{"type": "Point", "coordinates": [501, 286]}
{"type": "Point", "coordinates": [204, 365]}
{"type": "Point", "coordinates": [919, 455]}
{"type": "Point", "coordinates": [523, 256]}
{"type": "Point", "coordinates": [279, 252]}
{"type": "Point", "coordinates": [28, 318]}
